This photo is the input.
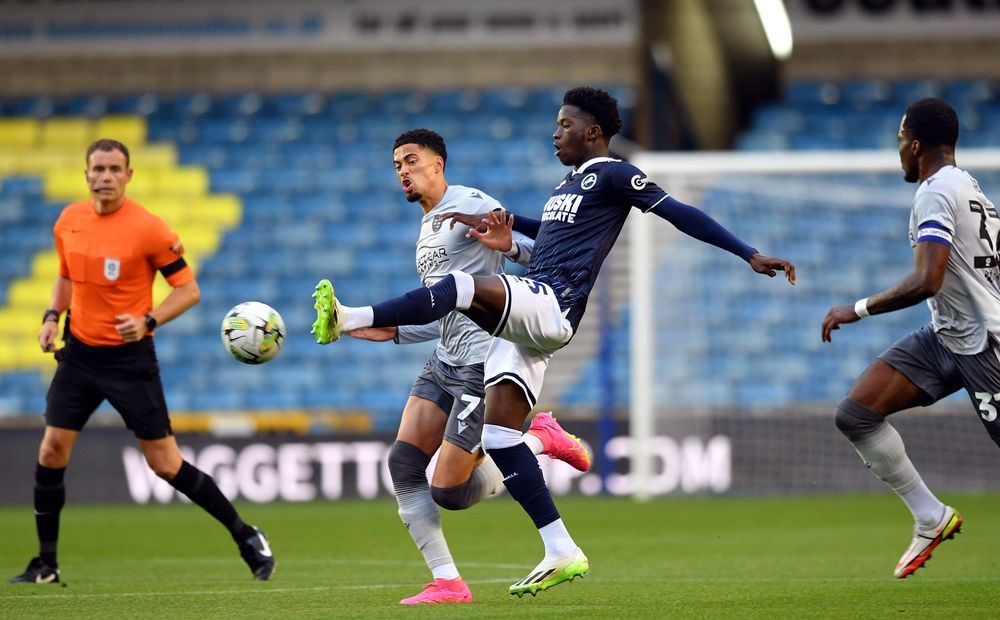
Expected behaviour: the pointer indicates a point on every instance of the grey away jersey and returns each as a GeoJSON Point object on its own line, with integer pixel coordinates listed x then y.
{"type": "Point", "coordinates": [442, 249]}
{"type": "Point", "coordinates": [949, 208]}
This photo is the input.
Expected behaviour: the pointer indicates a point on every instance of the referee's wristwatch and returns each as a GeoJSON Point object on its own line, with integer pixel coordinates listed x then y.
{"type": "Point", "coordinates": [150, 322]}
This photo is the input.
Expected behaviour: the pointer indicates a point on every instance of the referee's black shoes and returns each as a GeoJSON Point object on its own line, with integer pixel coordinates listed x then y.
{"type": "Point", "coordinates": [256, 552]}
{"type": "Point", "coordinates": [37, 572]}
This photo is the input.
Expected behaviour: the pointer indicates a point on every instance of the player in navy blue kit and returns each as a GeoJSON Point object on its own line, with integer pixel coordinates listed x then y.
{"type": "Point", "coordinates": [535, 315]}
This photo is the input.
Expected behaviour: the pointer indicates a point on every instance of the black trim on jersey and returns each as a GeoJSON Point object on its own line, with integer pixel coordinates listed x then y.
{"type": "Point", "coordinates": [506, 307]}
{"type": "Point", "coordinates": [509, 376]}
{"type": "Point", "coordinates": [172, 268]}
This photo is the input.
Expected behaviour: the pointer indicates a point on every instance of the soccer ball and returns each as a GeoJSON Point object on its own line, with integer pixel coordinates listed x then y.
{"type": "Point", "coordinates": [253, 332]}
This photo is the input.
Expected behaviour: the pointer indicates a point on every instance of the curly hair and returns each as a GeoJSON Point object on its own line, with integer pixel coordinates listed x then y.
{"type": "Point", "coordinates": [425, 138]}
{"type": "Point", "coordinates": [932, 122]}
{"type": "Point", "coordinates": [599, 104]}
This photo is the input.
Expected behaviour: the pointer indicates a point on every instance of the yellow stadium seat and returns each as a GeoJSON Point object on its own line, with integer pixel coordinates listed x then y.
{"type": "Point", "coordinates": [43, 160]}
{"type": "Point", "coordinates": [28, 294]}
{"type": "Point", "coordinates": [45, 265]}
{"type": "Point", "coordinates": [66, 185]}
{"type": "Point", "coordinates": [174, 212]}
{"type": "Point", "coordinates": [67, 132]}
{"type": "Point", "coordinates": [21, 132]}
{"type": "Point", "coordinates": [153, 156]}
{"type": "Point", "coordinates": [21, 323]}
{"type": "Point", "coordinates": [181, 181]}
{"type": "Point", "coordinates": [199, 241]}
{"type": "Point", "coordinates": [220, 210]}
{"type": "Point", "coordinates": [129, 130]}
{"type": "Point", "coordinates": [9, 163]}
{"type": "Point", "coordinates": [141, 186]}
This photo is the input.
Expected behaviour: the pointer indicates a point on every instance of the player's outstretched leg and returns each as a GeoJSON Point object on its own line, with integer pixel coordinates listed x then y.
{"type": "Point", "coordinates": [326, 328]}
{"type": "Point", "coordinates": [551, 573]}
{"type": "Point", "coordinates": [557, 443]}
{"type": "Point", "coordinates": [441, 591]}
{"type": "Point", "coordinates": [924, 542]}
{"type": "Point", "coordinates": [256, 552]}
{"type": "Point", "coordinates": [523, 478]}
{"type": "Point", "coordinates": [37, 572]}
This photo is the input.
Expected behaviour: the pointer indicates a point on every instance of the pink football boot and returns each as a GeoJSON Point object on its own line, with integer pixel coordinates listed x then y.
{"type": "Point", "coordinates": [557, 443]}
{"type": "Point", "coordinates": [441, 591]}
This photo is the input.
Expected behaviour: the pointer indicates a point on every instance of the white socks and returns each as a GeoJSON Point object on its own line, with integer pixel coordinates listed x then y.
{"type": "Point", "coordinates": [465, 289]}
{"type": "Point", "coordinates": [558, 542]}
{"type": "Point", "coordinates": [355, 318]}
{"type": "Point", "coordinates": [497, 437]}
{"type": "Point", "coordinates": [884, 454]}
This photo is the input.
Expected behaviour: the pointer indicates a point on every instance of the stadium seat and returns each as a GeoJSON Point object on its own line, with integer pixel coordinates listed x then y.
{"type": "Point", "coordinates": [20, 133]}
{"type": "Point", "coordinates": [67, 132]}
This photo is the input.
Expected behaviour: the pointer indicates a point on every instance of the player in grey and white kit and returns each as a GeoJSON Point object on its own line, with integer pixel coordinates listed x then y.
{"type": "Point", "coordinates": [446, 407]}
{"type": "Point", "coordinates": [954, 232]}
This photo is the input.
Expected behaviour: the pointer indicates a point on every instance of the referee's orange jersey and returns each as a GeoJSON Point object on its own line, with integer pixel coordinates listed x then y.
{"type": "Point", "coordinates": [112, 261]}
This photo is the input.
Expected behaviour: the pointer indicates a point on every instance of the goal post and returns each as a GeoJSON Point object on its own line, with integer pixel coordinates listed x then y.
{"type": "Point", "coordinates": [825, 212]}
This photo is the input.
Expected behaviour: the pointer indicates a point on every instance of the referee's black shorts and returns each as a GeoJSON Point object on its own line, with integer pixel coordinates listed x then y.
{"type": "Point", "coordinates": [128, 376]}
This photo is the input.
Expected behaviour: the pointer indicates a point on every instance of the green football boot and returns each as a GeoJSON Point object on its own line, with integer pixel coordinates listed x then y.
{"type": "Point", "coordinates": [326, 328]}
{"type": "Point", "coordinates": [551, 573]}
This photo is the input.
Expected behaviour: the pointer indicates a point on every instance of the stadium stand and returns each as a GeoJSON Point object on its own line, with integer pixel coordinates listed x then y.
{"type": "Point", "coordinates": [753, 351]}
{"type": "Point", "coordinates": [268, 193]}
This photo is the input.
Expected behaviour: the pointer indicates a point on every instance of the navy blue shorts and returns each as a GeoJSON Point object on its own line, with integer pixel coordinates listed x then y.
{"type": "Point", "coordinates": [128, 376]}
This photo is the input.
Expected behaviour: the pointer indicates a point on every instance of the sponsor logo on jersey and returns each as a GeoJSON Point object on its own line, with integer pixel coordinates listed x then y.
{"type": "Point", "coordinates": [562, 208]}
{"type": "Point", "coordinates": [639, 182]}
{"type": "Point", "coordinates": [589, 181]}
{"type": "Point", "coordinates": [430, 258]}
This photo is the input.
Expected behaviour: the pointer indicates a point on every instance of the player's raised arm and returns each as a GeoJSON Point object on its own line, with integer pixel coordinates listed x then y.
{"type": "Point", "coordinates": [698, 224]}
{"type": "Point", "coordinates": [930, 262]}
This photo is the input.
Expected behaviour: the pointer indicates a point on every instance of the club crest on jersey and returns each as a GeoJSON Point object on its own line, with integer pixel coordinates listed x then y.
{"type": "Point", "coordinates": [436, 223]}
{"type": "Point", "coordinates": [112, 269]}
{"type": "Point", "coordinates": [639, 182]}
{"type": "Point", "coordinates": [589, 181]}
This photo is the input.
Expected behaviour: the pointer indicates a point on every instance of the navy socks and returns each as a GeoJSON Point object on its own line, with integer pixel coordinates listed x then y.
{"type": "Point", "coordinates": [525, 483]}
{"type": "Point", "coordinates": [418, 307]}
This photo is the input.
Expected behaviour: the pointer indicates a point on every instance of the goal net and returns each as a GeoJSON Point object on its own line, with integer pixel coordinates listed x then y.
{"type": "Point", "coordinates": [711, 340]}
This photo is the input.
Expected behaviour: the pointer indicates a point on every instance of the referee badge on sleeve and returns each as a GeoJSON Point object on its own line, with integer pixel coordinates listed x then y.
{"type": "Point", "coordinates": [112, 269]}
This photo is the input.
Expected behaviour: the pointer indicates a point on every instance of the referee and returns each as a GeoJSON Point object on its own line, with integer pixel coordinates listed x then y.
{"type": "Point", "coordinates": [110, 249]}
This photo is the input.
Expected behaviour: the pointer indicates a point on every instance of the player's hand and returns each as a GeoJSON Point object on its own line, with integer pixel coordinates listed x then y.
{"type": "Point", "coordinates": [375, 334]}
{"type": "Point", "coordinates": [47, 336]}
{"type": "Point", "coordinates": [471, 220]}
{"type": "Point", "coordinates": [499, 233]}
{"type": "Point", "coordinates": [836, 316]}
{"type": "Point", "coordinates": [131, 328]}
{"type": "Point", "coordinates": [769, 266]}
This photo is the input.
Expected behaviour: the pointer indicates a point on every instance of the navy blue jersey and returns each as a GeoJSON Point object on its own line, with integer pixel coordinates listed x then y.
{"type": "Point", "coordinates": [580, 224]}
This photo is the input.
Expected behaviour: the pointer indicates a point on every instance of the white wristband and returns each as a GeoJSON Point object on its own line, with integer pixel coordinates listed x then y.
{"type": "Point", "coordinates": [861, 308]}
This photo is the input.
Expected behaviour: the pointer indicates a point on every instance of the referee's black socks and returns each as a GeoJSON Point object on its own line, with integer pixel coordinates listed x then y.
{"type": "Point", "coordinates": [202, 490]}
{"type": "Point", "coordinates": [50, 495]}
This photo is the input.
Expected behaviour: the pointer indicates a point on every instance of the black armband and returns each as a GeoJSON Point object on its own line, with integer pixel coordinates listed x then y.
{"type": "Point", "coordinates": [50, 315]}
{"type": "Point", "coordinates": [172, 268]}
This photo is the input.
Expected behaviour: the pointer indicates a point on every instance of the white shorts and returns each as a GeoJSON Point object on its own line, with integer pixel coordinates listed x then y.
{"type": "Point", "coordinates": [532, 328]}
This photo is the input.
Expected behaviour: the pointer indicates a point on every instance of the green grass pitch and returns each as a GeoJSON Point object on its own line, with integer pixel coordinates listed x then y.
{"type": "Point", "coordinates": [814, 557]}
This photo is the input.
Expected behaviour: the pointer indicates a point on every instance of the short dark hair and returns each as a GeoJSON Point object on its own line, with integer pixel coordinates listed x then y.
{"type": "Point", "coordinates": [597, 103]}
{"type": "Point", "coordinates": [108, 145]}
{"type": "Point", "coordinates": [425, 138]}
{"type": "Point", "coordinates": [932, 121]}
